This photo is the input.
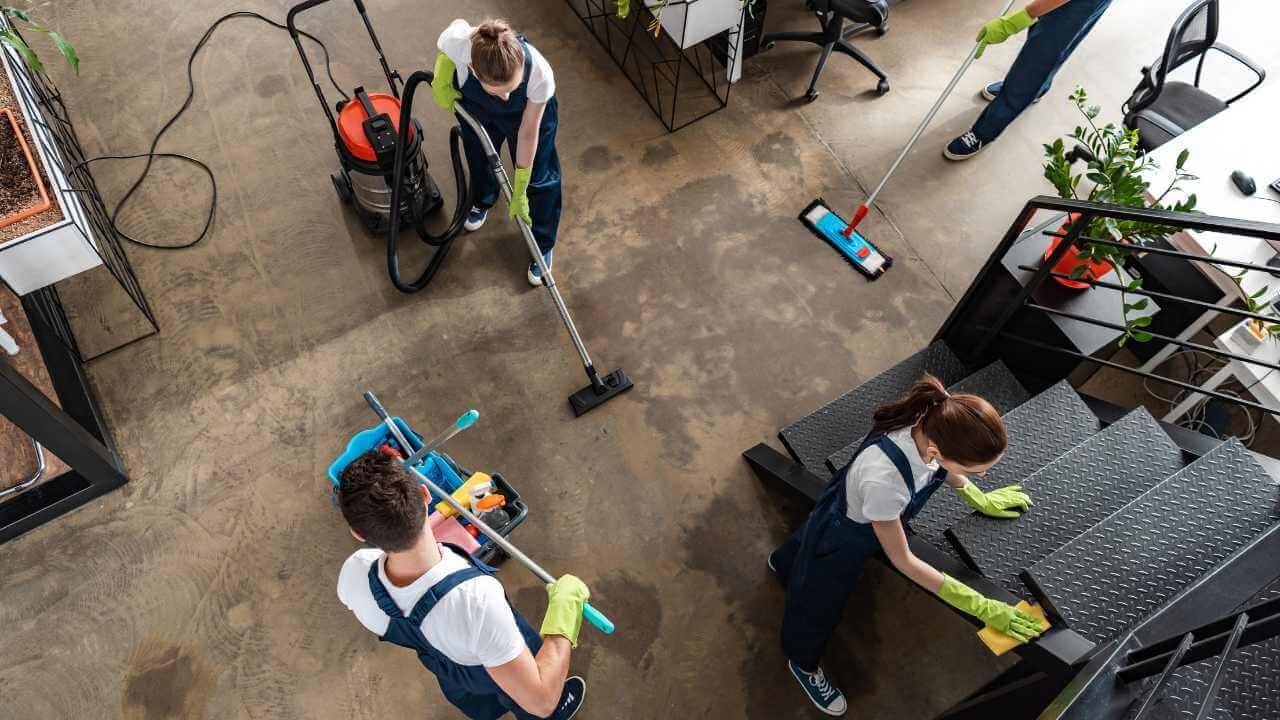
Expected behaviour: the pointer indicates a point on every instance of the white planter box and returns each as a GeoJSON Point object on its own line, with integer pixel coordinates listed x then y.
{"type": "Point", "coordinates": [62, 249]}
{"type": "Point", "coordinates": [691, 22]}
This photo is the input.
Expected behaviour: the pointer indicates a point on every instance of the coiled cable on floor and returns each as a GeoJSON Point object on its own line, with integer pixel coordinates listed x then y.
{"type": "Point", "coordinates": [151, 153]}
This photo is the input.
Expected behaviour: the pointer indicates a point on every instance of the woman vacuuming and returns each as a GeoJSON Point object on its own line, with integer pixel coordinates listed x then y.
{"type": "Point", "coordinates": [506, 85]}
{"type": "Point", "coordinates": [916, 444]}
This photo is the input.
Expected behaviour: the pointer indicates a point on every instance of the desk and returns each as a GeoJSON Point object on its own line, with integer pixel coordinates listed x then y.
{"type": "Point", "coordinates": [1242, 137]}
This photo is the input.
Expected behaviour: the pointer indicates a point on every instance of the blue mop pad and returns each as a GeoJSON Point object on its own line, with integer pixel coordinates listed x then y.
{"type": "Point", "coordinates": [857, 250]}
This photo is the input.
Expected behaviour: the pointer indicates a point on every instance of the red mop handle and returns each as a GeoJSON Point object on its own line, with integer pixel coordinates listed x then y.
{"type": "Point", "coordinates": [857, 218]}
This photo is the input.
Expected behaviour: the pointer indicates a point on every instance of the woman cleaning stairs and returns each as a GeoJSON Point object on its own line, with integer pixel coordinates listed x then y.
{"type": "Point", "coordinates": [925, 439]}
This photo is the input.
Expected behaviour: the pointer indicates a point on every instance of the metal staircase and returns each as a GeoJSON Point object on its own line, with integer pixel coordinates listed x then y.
{"type": "Point", "coordinates": [1154, 550]}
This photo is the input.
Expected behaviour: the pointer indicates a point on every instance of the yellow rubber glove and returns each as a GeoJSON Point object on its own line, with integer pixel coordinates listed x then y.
{"type": "Point", "coordinates": [1002, 28]}
{"type": "Point", "coordinates": [442, 89]}
{"type": "Point", "coordinates": [565, 598]}
{"type": "Point", "coordinates": [1000, 615]}
{"type": "Point", "coordinates": [520, 196]}
{"type": "Point", "coordinates": [998, 503]}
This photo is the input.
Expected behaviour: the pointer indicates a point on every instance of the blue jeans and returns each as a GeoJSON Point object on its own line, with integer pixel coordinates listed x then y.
{"type": "Point", "coordinates": [1049, 43]}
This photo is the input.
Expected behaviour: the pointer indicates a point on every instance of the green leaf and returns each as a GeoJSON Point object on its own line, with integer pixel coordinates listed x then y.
{"type": "Point", "coordinates": [1140, 305]}
{"type": "Point", "coordinates": [1143, 321]}
{"type": "Point", "coordinates": [1182, 158]}
{"type": "Point", "coordinates": [1141, 336]}
{"type": "Point", "coordinates": [68, 52]}
{"type": "Point", "coordinates": [10, 38]}
{"type": "Point", "coordinates": [16, 12]}
{"type": "Point", "coordinates": [1079, 271]}
{"type": "Point", "coordinates": [1134, 284]}
{"type": "Point", "coordinates": [1261, 291]}
{"type": "Point", "coordinates": [1123, 338]}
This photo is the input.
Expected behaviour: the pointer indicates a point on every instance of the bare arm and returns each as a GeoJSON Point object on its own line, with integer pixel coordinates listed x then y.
{"type": "Point", "coordinates": [1036, 8]}
{"type": "Point", "coordinates": [536, 683]}
{"type": "Point", "coordinates": [527, 139]}
{"type": "Point", "coordinates": [893, 540]}
{"type": "Point", "coordinates": [955, 481]}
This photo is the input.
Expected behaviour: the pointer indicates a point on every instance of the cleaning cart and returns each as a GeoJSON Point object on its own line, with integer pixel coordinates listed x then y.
{"type": "Point", "coordinates": [448, 475]}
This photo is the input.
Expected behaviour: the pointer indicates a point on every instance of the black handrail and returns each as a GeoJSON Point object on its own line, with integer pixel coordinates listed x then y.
{"type": "Point", "coordinates": [1225, 309]}
{"type": "Point", "coordinates": [1148, 702]}
{"type": "Point", "coordinates": [1211, 695]}
{"type": "Point", "coordinates": [1155, 336]}
{"type": "Point", "coordinates": [1210, 259]}
{"type": "Point", "coordinates": [1183, 220]}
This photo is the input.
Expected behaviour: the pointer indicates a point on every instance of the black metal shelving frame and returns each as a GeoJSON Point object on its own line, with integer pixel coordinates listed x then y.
{"type": "Point", "coordinates": [661, 71]}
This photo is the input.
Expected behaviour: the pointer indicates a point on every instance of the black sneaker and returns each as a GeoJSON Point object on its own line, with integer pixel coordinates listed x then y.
{"type": "Point", "coordinates": [571, 698]}
{"type": "Point", "coordinates": [825, 696]}
{"type": "Point", "coordinates": [963, 147]}
{"type": "Point", "coordinates": [991, 90]}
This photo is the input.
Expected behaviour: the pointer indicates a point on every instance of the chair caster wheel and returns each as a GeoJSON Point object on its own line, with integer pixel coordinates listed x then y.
{"type": "Point", "coordinates": [810, 96]}
{"type": "Point", "coordinates": [882, 29]}
{"type": "Point", "coordinates": [882, 87]}
{"type": "Point", "coordinates": [768, 46]}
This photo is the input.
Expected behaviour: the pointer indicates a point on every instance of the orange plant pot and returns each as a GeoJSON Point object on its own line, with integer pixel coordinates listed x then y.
{"type": "Point", "coordinates": [1069, 262]}
{"type": "Point", "coordinates": [44, 203]}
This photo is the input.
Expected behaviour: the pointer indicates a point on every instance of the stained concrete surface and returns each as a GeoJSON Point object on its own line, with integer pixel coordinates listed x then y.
{"type": "Point", "coordinates": [204, 588]}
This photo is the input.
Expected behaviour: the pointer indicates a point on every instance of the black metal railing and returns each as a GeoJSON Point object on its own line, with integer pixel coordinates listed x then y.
{"type": "Point", "coordinates": [986, 321]}
{"type": "Point", "coordinates": [1220, 638]}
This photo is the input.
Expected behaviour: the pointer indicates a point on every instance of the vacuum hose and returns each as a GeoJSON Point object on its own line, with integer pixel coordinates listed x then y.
{"type": "Point", "coordinates": [443, 241]}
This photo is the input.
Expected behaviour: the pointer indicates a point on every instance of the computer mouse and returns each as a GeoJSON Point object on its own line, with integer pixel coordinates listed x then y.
{"type": "Point", "coordinates": [1243, 182]}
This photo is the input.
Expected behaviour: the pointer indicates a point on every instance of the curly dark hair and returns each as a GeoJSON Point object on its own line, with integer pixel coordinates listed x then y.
{"type": "Point", "coordinates": [381, 501]}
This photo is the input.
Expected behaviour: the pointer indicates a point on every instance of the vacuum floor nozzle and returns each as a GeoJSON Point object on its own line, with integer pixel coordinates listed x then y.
{"type": "Point", "coordinates": [591, 397]}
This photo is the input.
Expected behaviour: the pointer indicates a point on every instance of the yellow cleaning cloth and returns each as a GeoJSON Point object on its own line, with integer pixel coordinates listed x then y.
{"type": "Point", "coordinates": [999, 643]}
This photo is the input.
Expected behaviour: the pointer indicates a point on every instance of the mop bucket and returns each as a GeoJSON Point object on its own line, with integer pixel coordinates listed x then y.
{"type": "Point", "coordinates": [444, 472]}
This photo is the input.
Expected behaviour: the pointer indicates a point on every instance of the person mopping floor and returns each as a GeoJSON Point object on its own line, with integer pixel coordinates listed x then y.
{"type": "Point", "coordinates": [1057, 27]}
{"type": "Point", "coordinates": [438, 601]}
{"type": "Point", "coordinates": [509, 87]}
{"type": "Point", "coordinates": [916, 444]}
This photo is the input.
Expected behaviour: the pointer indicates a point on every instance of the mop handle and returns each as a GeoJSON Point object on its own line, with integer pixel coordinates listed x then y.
{"type": "Point", "coordinates": [595, 617]}
{"type": "Point", "coordinates": [928, 118]}
{"type": "Point", "coordinates": [466, 420]}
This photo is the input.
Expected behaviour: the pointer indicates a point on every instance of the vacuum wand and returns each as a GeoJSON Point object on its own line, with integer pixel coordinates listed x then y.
{"type": "Point", "coordinates": [593, 616]}
{"type": "Point", "coordinates": [601, 389]}
{"type": "Point", "coordinates": [863, 209]}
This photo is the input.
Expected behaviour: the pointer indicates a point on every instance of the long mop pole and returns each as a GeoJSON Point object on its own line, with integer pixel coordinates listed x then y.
{"type": "Point", "coordinates": [928, 118]}
{"type": "Point", "coordinates": [592, 615]}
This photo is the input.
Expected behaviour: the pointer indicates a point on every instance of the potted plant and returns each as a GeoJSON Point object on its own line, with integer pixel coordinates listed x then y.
{"type": "Point", "coordinates": [1115, 172]}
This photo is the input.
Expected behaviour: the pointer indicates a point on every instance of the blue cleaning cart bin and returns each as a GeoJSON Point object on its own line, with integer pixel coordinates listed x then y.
{"type": "Point", "coordinates": [442, 470]}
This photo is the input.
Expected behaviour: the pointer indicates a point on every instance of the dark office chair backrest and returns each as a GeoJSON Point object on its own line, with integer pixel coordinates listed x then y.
{"type": "Point", "coordinates": [1195, 31]}
{"type": "Point", "coordinates": [873, 12]}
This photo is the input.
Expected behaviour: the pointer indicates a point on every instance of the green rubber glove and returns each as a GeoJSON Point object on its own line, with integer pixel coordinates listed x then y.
{"type": "Point", "coordinates": [998, 503]}
{"type": "Point", "coordinates": [1003, 28]}
{"type": "Point", "coordinates": [565, 598]}
{"type": "Point", "coordinates": [999, 615]}
{"type": "Point", "coordinates": [442, 89]}
{"type": "Point", "coordinates": [520, 195]}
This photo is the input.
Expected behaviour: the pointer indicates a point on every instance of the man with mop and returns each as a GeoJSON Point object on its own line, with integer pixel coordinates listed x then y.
{"type": "Point", "coordinates": [437, 600]}
{"type": "Point", "coordinates": [1057, 27]}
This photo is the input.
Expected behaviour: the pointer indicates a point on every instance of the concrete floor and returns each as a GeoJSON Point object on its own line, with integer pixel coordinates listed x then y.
{"type": "Point", "coordinates": [204, 588]}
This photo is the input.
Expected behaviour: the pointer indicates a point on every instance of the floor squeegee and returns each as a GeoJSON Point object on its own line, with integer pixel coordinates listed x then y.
{"type": "Point", "coordinates": [832, 229]}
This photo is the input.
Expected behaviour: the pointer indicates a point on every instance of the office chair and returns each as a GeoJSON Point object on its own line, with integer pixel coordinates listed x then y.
{"type": "Point", "coordinates": [832, 14]}
{"type": "Point", "coordinates": [1162, 109]}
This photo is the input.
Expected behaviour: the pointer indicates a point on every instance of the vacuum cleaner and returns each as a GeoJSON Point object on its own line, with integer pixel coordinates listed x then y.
{"type": "Point", "coordinates": [364, 136]}
{"type": "Point", "coordinates": [384, 175]}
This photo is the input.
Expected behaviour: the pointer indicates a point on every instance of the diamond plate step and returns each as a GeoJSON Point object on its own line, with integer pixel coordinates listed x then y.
{"type": "Point", "coordinates": [815, 436]}
{"type": "Point", "coordinates": [994, 382]}
{"type": "Point", "coordinates": [1091, 481]}
{"type": "Point", "coordinates": [1040, 430]}
{"type": "Point", "coordinates": [1250, 690]}
{"type": "Point", "coordinates": [1134, 561]}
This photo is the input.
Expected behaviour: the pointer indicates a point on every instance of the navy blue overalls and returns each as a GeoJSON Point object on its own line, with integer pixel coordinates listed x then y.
{"type": "Point", "coordinates": [501, 119]}
{"type": "Point", "coordinates": [469, 687]}
{"type": "Point", "coordinates": [821, 562]}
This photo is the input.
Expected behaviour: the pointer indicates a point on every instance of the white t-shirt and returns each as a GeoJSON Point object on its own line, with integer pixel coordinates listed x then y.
{"type": "Point", "coordinates": [874, 487]}
{"type": "Point", "coordinates": [455, 42]}
{"type": "Point", "coordinates": [472, 624]}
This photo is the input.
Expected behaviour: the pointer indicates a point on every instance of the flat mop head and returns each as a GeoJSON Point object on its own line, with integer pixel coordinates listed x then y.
{"type": "Point", "coordinates": [591, 397]}
{"type": "Point", "coordinates": [857, 250]}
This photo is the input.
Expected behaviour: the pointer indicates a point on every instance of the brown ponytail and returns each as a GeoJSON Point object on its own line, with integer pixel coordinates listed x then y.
{"type": "Point", "coordinates": [496, 55]}
{"type": "Point", "coordinates": [964, 428]}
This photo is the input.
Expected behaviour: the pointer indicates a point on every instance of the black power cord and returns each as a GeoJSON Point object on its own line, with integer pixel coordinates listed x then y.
{"type": "Point", "coordinates": [151, 153]}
